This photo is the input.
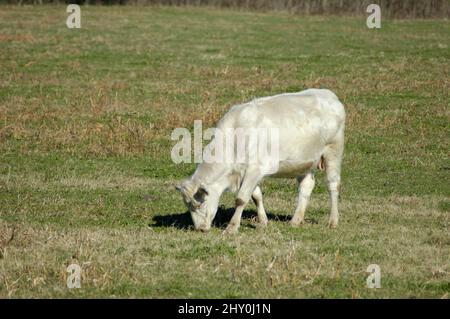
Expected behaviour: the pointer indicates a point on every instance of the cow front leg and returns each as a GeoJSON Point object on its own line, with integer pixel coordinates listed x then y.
{"type": "Point", "coordinates": [248, 185]}
{"type": "Point", "coordinates": [306, 186]}
{"type": "Point", "coordinates": [235, 221]}
{"type": "Point", "coordinates": [258, 199]}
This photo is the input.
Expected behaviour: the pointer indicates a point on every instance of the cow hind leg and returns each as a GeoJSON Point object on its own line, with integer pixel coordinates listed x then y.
{"type": "Point", "coordinates": [333, 159]}
{"type": "Point", "coordinates": [258, 200]}
{"type": "Point", "coordinates": [306, 186]}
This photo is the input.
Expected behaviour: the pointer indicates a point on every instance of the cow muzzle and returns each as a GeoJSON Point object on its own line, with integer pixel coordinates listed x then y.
{"type": "Point", "coordinates": [203, 228]}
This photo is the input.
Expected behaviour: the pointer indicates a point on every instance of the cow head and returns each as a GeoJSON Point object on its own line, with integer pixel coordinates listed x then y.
{"type": "Point", "coordinates": [201, 202]}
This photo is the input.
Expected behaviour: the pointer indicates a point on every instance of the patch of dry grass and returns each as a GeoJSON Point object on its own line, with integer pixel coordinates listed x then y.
{"type": "Point", "coordinates": [306, 262]}
{"type": "Point", "coordinates": [406, 235]}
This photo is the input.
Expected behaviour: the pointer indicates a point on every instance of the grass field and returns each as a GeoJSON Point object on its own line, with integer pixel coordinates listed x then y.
{"type": "Point", "coordinates": [86, 176]}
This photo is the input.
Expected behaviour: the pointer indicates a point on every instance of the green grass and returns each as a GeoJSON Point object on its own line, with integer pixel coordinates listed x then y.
{"type": "Point", "coordinates": [86, 175]}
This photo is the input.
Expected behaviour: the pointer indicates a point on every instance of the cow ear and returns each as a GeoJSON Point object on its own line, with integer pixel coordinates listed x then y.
{"type": "Point", "coordinates": [187, 190]}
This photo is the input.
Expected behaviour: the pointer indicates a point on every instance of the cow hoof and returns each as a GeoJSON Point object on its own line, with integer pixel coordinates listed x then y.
{"type": "Point", "coordinates": [230, 231]}
{"type": "Point", "coordinates": [262, 224]}
{"type": "Point", "coordinates": [296, 223]}
{"type": "Point", "coordinates": [332, 225]}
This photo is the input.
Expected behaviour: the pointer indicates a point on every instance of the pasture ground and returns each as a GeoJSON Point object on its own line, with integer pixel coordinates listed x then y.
{"type": "Point", "coordinates": [86, 175]}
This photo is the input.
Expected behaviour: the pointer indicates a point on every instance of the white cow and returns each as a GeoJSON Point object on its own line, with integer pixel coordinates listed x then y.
{"type": "Point", "coordinates": [311, 135]}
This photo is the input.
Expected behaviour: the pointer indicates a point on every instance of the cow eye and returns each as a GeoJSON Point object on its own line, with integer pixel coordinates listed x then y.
{"type": "Point", "coordinates": [200, 197]}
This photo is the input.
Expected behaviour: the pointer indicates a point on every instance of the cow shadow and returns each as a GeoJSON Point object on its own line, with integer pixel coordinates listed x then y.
{"type": "Point", "coordinates": [223, 216]}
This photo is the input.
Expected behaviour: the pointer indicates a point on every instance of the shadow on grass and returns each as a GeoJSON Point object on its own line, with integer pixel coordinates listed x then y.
{"type": "Point", "coordinates": [223, 216]}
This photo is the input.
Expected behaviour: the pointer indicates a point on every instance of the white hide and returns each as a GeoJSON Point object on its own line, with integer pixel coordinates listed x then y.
{"type": "Point", "coordinates": [311, 129]}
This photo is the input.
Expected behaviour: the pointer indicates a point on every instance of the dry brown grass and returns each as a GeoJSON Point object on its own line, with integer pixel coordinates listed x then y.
{"type": "Point", "coordinates": [286, 263]}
